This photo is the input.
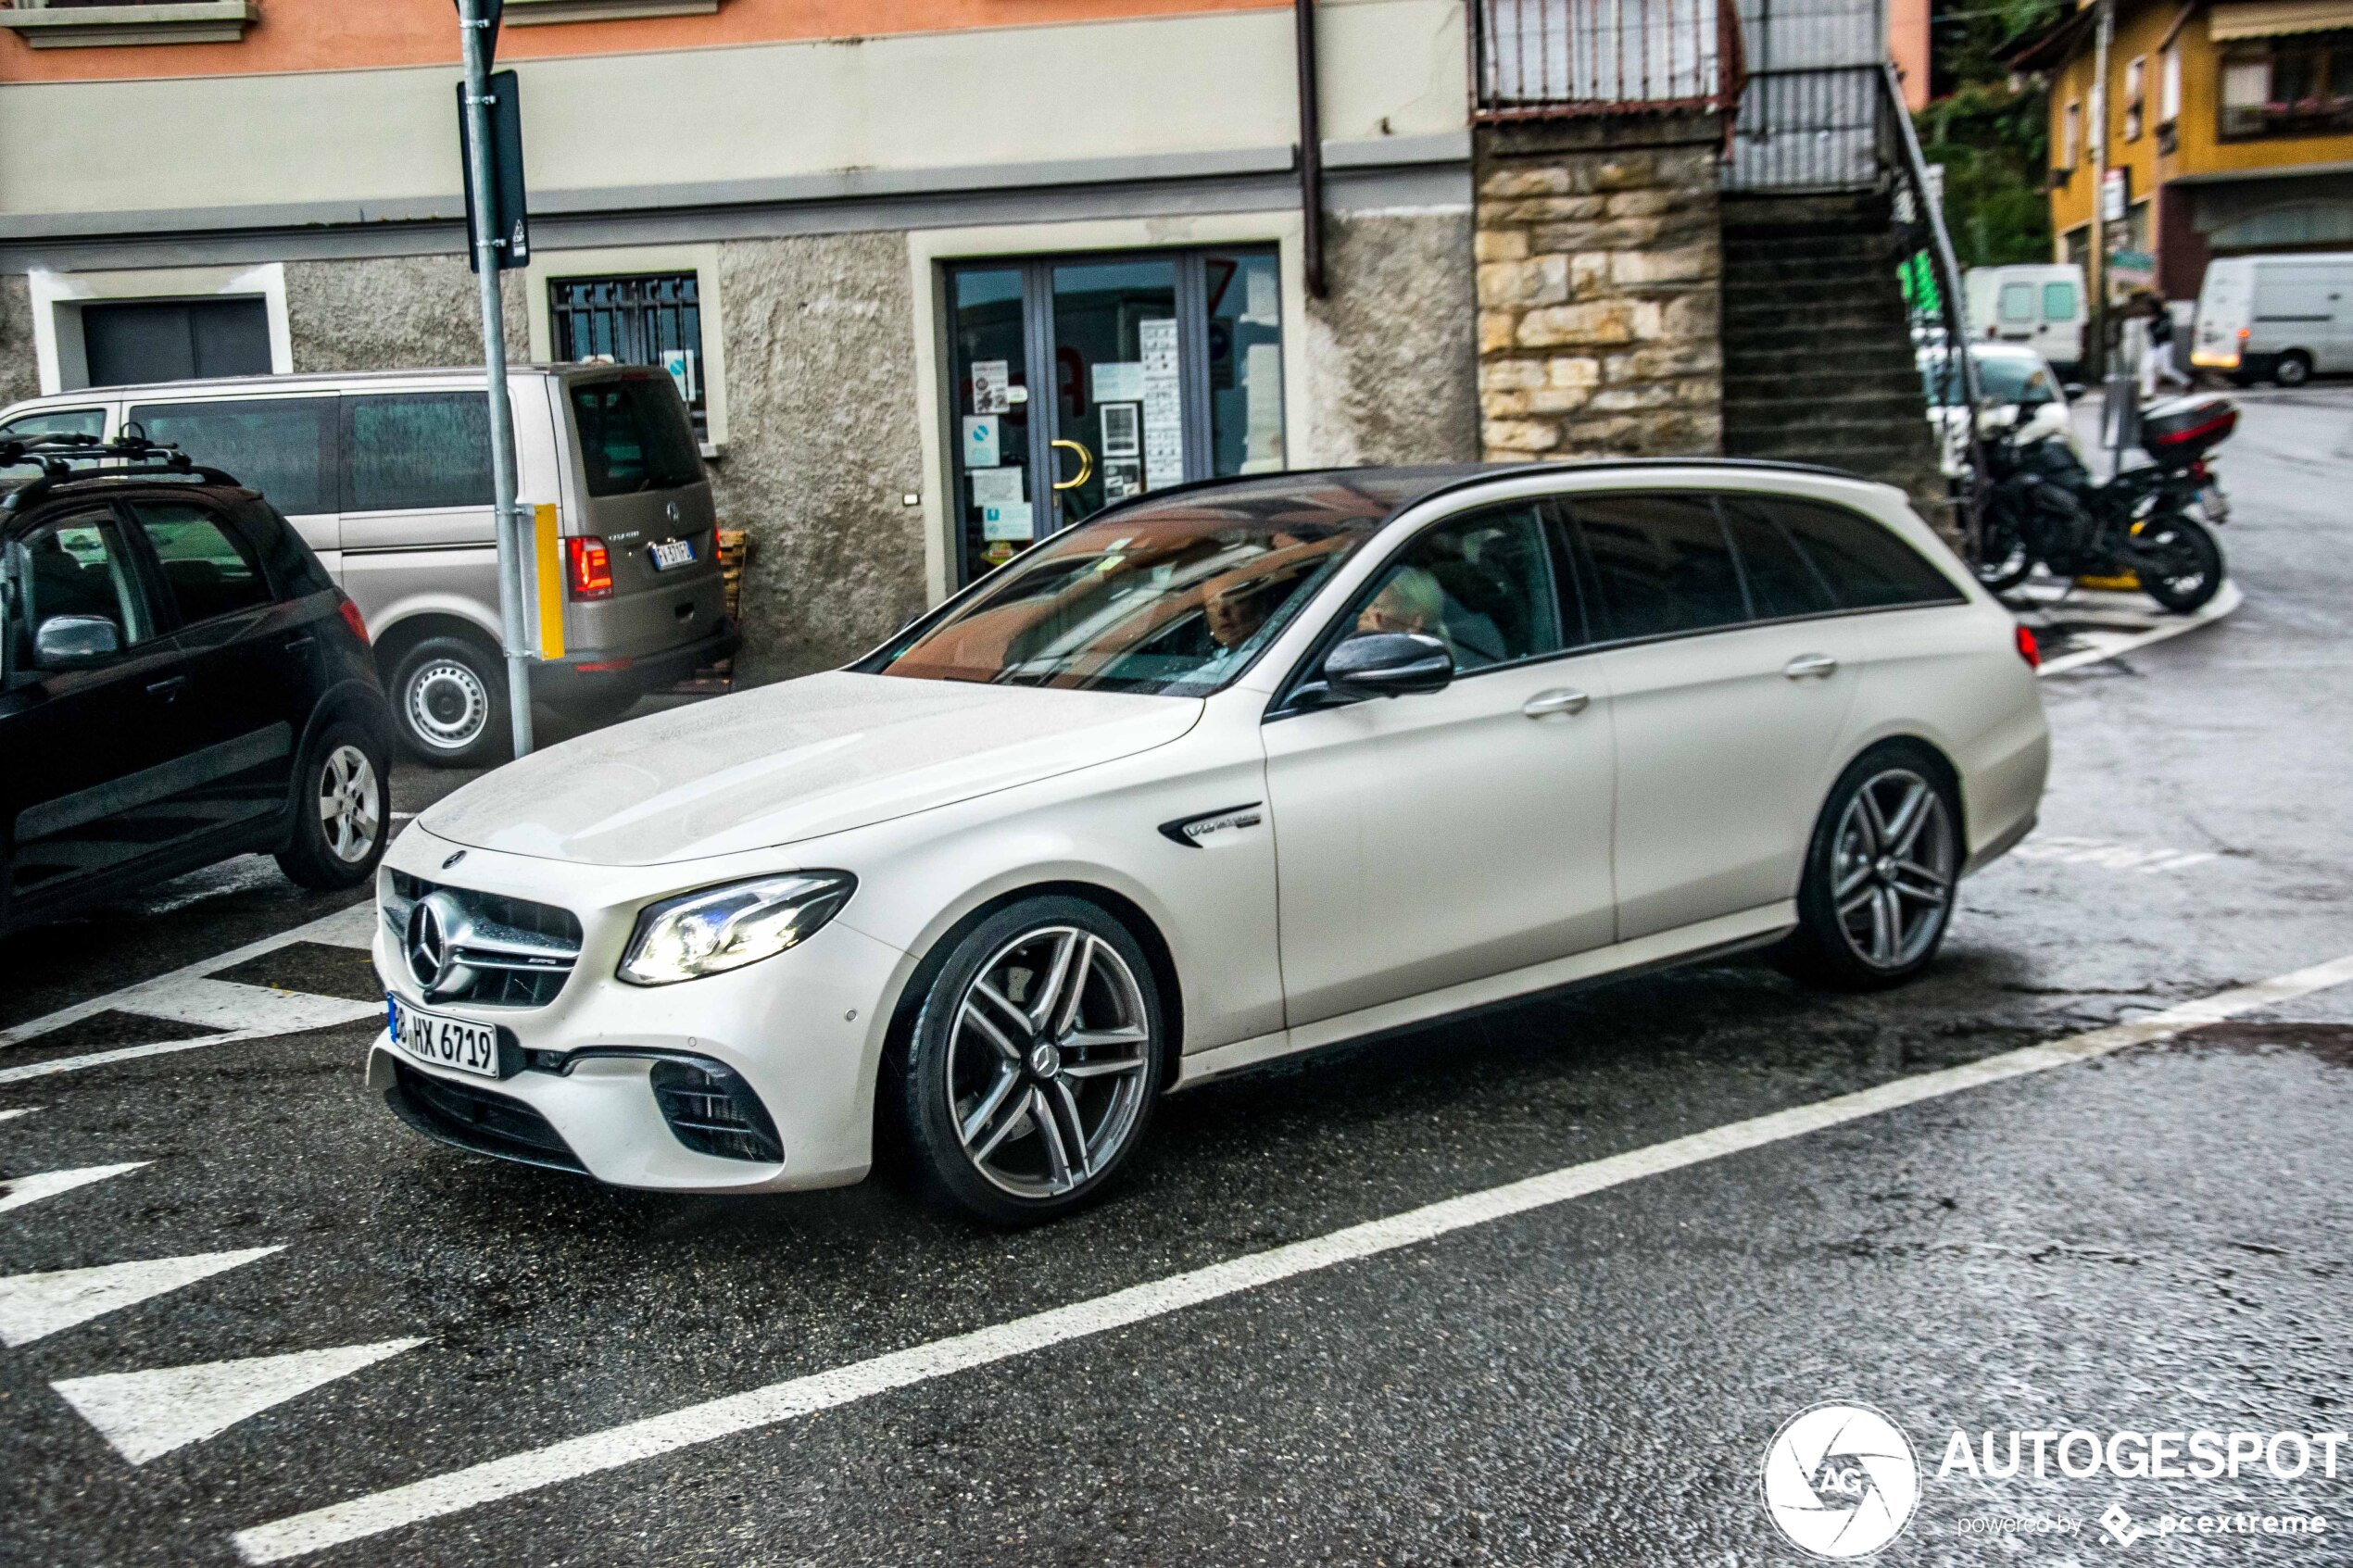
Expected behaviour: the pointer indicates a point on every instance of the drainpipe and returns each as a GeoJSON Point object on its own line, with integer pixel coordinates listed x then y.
{"type": "Point", "coordinates": [1311, 151]}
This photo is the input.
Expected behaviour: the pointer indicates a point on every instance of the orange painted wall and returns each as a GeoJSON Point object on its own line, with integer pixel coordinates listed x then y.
{"type": "Point", "coordinates": [1907, 45]}
{"type": "Point", "coordinates": [348, 34]}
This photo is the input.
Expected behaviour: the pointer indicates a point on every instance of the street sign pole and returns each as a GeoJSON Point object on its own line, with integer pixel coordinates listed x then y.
{"type": "Point", "coordinates": [474, 25]}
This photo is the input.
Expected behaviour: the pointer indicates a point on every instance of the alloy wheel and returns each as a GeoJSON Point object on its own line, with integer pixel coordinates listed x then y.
{"type": "Point", "coordinates": [1048, 1062]}
{"type": "Point", "coordinates": [447, 705]}
{"type": "Point", "coordinates": [350, 807]}
{"type": "Point", "coordinates": [1892, 869]}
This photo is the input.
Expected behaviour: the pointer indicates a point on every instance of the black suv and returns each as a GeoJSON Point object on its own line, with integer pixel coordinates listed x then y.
{"type": "Point", "coordinates": [180, 682]}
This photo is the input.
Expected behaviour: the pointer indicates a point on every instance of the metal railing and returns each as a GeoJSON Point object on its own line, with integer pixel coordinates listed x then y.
{"type": "Point", "coordinates": [1557, 60]}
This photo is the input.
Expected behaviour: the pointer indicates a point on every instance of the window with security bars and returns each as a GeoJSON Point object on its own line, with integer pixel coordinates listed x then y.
{"type": "Point", "coordinates": [652, 320]}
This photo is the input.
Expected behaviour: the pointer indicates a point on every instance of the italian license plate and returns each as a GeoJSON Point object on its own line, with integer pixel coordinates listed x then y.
{"type": "Point", "coordinates": [668, 553]}
{"type": "Point", "coordinates": [2217, 504]}
{"type": "Point", "coordinates": [439, 1040]}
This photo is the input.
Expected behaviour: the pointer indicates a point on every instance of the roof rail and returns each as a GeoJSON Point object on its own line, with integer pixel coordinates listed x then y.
{"type": "Point", "coordinates": [57, 454]}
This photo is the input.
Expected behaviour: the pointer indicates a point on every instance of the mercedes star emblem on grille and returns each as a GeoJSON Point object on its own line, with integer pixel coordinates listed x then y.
{"type": "Point", "coordinates": [434, 926]}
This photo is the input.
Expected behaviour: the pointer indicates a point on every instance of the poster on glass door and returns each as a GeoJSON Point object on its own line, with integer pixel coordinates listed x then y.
{"type": "Point", "coordinates": [1164, 405]}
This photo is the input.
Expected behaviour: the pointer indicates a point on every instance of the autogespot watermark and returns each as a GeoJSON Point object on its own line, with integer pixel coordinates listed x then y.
{"type": "Point", "coordinates": [1843, 1480]}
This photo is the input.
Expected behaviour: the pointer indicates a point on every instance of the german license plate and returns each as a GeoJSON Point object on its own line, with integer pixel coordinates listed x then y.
{"type": "Point", "coordinates": [439, 1040]}
{"type": "Point", "coordinates": [668, 553]}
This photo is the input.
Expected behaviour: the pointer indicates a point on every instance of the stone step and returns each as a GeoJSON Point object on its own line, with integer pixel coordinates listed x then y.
{"type": "Point", "coordinates": [1809, 376]}
{"type": "Point", "coordinates": [1901, 418]}
{"type": "Point", "coordinates": [1769, 264]}
{"type": "Point", "coordinates": [1803, 328]}
{"type": "Point", "coordinates": [1879, 246]}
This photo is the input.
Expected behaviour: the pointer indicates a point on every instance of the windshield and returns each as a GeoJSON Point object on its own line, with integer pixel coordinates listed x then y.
{"type": "Point", "coordinates": [2001, 378]}
{"type": "Point", "coordinates": [1173, 599]}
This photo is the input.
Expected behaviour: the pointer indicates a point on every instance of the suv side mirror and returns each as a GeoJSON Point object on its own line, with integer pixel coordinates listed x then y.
{"type": "Point", "coordinates": [75, 641]}
{"type": "Point", "coordinates": [1388, 664]}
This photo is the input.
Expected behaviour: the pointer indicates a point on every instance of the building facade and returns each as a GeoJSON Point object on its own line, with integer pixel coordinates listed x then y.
{"type": "Point", "coordinates": [916, 263]}
{"type": "Point", "coordinates": [2229, 132]}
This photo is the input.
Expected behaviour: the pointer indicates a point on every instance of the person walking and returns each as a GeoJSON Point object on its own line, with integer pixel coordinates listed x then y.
{"type": "Point", "coordinates": [2158, 363]}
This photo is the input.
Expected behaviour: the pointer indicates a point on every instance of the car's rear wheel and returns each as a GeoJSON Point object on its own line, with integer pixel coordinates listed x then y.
{"type": "Point", "coordinates": [449, 701]}
{"type": "Point", "coordinates": [2294, 369]}
{"type": "Point", "coordinates": [341, 812]}
{"type": "Point", "coordinates": [1881, 873]}
{"type": "Point", "coordinates": [1034, 1061]}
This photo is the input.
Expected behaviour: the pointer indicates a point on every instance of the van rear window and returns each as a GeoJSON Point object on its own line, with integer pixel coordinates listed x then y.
{"type": "Point", "coordinates": [633, 436]}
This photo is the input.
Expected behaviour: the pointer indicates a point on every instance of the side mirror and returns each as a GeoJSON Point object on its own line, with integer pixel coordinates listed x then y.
{"type": "Point", "coordinates": [1388, 664]}
{"type": "Point", "coordinates": [2074, 390]}
{"type": "Point", "coordinates": [75, 641]}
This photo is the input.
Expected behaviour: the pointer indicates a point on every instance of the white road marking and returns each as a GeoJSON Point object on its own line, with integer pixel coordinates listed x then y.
{"type": "Point", "coordinates": [2100, 852]}
{"type": "Point", "coordinates": [145, 1414]}
{"type": "Point", "coordinates": [33, 1306]}
{"type": "Point", "coordinates": [48, 1184]}
{"type": "Point", "coordinates": [20, 1110]}
{"type": "Point", "coordinates": [2110, 644]}
{"type": "Point", "coordinates": [131, 1053]}
{"type": "Point", "coordinates": [457, 1490]}
{"type": "Point", "coordinates": [353, 927]}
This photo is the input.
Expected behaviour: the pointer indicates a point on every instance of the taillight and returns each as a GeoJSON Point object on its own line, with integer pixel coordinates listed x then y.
{"type": "Point", "coordinates": [2242, 334]}
{"type": "Point", "coordinates": [2197, 471]}
{"type": "Point", "coordinates": [352, 617]}
{"type": "Point", "coordinates": [591, 567]}
{"type": "Point", "coordinates": [2028, 648]}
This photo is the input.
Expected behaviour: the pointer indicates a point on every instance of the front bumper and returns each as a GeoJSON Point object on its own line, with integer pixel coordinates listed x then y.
{"type": "Point", "coordinates": [803, 1031]}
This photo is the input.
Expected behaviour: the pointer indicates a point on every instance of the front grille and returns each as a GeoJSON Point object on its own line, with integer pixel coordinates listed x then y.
{"type": "Point", "coordinates": [712, 1111]}
{"type": "Point", "coordinates": [503, 952]}
{"type": "Point", "coordinates": [477, 1120]}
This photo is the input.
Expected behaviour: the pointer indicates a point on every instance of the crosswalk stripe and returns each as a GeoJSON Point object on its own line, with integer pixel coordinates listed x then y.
{"type": "Point", "coordinates": [144, 1414]}
{"type": "Point", "coordinates": [48, 1184]}
{"type": "Point", "coordinates": [11, 1114]}
{"type": "Point", "coordinates": [34, 1306]}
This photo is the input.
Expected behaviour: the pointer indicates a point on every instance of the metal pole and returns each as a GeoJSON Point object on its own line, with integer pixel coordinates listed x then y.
{"type": "Point", "coordinates": [474, 25]}
{"type": "Point", "coordinates": [1311, 151]}
{"type": "Point", "coordinates": [2095, 253]}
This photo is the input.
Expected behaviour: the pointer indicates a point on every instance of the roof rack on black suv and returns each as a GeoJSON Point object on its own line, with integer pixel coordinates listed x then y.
{"type": "Point", "coordinates": [55, 455]}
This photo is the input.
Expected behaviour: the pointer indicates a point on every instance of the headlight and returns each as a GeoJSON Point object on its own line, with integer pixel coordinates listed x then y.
{"type": "Point", "coordinates": [724, 928]}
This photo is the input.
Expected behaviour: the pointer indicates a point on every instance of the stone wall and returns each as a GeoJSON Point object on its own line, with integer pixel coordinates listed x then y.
{"type": "Point", "coordinates": [395, 313]}
{"type": "Point", "coordinates": [1599, 260]}
{"type": "Point", "coordinates": [19, 370]}
{"type": "Point", "coordinates": [1393, 343]}
{"type": "Point", "coordinates": [822, 447]}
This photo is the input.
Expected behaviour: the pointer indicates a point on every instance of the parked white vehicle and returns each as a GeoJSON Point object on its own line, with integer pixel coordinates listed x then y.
{"type": "Point", "coordinates": [2013, 384]}
{"type": "Point", "coordinates": [2039, 305]}
{"type": "Point", "coordinates": [1223, 774]}
{"type": "Point", "coordinates": [2277, 318]}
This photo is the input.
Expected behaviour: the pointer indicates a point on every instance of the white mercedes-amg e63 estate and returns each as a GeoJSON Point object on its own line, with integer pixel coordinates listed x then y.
{"type": "Point", "coordinates": [1228, 773]}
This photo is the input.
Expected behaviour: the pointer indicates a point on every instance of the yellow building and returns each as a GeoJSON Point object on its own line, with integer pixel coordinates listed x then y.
{"type": "Point", "coordinates": [2229, 129]}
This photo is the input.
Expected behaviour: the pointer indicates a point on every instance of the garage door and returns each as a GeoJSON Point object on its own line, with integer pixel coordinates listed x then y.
{"type": "Point", "coordinates": [175, 340]}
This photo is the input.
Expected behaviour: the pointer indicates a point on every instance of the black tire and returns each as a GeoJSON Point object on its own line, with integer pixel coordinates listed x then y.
{"type": "Point", "coordinates": [343, 810]}
{"type": "Point", "coordinates": [1839, 949]}
{"type": "Point", "coordinates": [2179, 563]}
{"type": "Point", "coordinates": [2294, 369]}
{"type": "Point", "coordinates": [970, 1061]}
{"type": "Point", "coordinates": [2007, 560]}
{"type": "Point", "coordinates": [449, 703]}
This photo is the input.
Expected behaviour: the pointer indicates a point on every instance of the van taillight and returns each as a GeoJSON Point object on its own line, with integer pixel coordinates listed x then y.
{"type": "Point", "coordinates": [2029, 650]}
{"type": "Point", "coordinates": [591, 568]}
{"type": "Point", "coordinates": [352, 617]}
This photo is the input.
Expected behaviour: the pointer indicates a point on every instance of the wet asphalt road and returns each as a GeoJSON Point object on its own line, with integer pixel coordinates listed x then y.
{"type": "Point", "coordinates": [2156, 1240]}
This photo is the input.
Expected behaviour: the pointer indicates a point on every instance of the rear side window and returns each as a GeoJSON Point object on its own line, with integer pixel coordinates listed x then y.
{"type": "Point", "coordinates": [1781, 582]}
{"type": "Point", "coordinates": [57, 422]}
{"type": "Point", "coordinates": [2058, 302]}
{"type": "Point", "coordinates": [416, 452]}
{"type": "Point", "coordinates": [209, 569]}
{"type": "Point", "coordinates": [1864, 565]}
{"type": "Point", "coordinates": [633, 436]}
{"type": "Point", "coordinates": [282, 446]}
{"type": "Point", "coordinates": [2017, 302]}
{"type": "Point", "coordinates": [1656, 565]}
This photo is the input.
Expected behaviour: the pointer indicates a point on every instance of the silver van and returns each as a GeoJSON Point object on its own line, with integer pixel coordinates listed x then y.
{"type": "Point", "coordinates": [387, 476]}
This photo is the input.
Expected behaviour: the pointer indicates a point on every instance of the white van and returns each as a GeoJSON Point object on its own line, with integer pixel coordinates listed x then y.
{"type": "Point", "coordinates": [2275, 317]}
{"type": "Point", "coordinates": [386, 475]}
{"type": "Point", "coordinates": [2039, 305]}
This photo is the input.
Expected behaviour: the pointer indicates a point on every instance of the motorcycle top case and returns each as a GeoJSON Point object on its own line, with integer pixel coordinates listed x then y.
{"type": "Point", "coordinates": [2182, 428]}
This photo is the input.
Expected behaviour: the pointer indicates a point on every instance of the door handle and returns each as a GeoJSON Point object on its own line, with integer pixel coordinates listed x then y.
{"type": "Point", "coordinates": [165, 690]}
{"type": "Point", "coordinates": [1086, 465]}
{"type": "Point", "coordinates": [1564, 701]}
{"type": "Point", "coordinates": [1806, 664]}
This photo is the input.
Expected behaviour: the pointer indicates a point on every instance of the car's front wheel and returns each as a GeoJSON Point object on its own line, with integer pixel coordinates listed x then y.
{"type": "Point", "coordinates": [1880, 874]}
{"type": "Point", "coordinates": [1033, 1063]}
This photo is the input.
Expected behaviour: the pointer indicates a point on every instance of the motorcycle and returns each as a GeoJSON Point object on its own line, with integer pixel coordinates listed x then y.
{"type": "Point", "coordinates": [2043, 504]}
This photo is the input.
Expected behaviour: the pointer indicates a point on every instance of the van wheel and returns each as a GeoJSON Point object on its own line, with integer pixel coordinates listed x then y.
{"type": "Point", "coordinates": [2294, 369]}
{"type": "Point", "coordinates": [1033, 1062]}
{"type": "Point", "coordinates": [341, 812]}
{"type": "Point", "coordinates": [1880, 874]}
{"type": "Point", "coordinates": [449, 704]}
